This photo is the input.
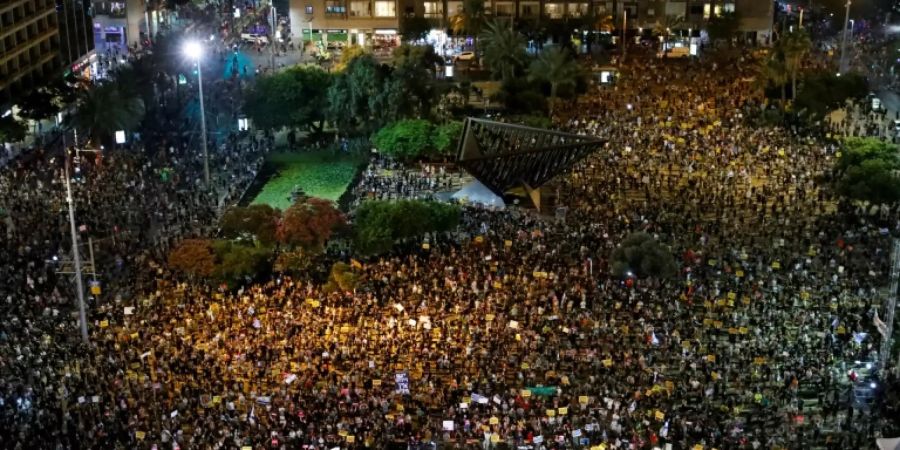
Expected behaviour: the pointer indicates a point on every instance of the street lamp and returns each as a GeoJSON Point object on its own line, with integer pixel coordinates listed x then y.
{"type": "Point", "coordinates": [194, 50]}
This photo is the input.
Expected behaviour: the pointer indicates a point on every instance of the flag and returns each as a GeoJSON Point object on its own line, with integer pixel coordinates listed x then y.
{"type": "Point", "coordinates": [252, 416]}
{"type": "Point", "coordinates": [653, 339]}
{"type": "Point", "coordinates": [880, 325]}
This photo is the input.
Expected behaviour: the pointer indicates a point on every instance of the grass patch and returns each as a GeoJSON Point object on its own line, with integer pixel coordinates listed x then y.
{"type": "Point", "coordinates": [320, 174]}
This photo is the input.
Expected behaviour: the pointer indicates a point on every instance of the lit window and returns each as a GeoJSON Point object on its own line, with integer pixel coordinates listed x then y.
{"type": "Point", "coordinates": [335, 7]}
{"type": "Point", "coordinates": [434, 9]}
{"type": "Point", "coordinates": [309, 9]}
{"type": "Point", "coordinates": [360, 9]}
{"type": "Point", "coordinates": [578, 9]}
{"type": "Point", "coordinates": [553, 10]}
{"type": "Point", "coordinates": [385, 9]}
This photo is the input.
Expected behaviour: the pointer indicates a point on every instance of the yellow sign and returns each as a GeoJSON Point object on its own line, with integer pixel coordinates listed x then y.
{"type": "Point", "coordinates": [494, 421]}
{"type": "Point", "coordinates": [426, 246]}
{"type": "Point", "coordinates": [479, 239]}
{"type": "Point", "coordinates": [507, 243]}
{"type": "Point", "coordinates": [551, 413]}
{"type": "Point", "coordinates": [711, 358]}
{"type": "Point", "coordinates": [495, 438]}
{"type": "Point", "coordinates": [139, 435]}
{"type": "Point", "coordinates": [583, 399]}
{"type": "Point", "coordinates": [526, 393]}
{"type": "Point", "coordinates": [660, 415]}
{"type": "Point", "coordinates": [104, 323]}
{"type": "Point", "coordinates": [563, 410]}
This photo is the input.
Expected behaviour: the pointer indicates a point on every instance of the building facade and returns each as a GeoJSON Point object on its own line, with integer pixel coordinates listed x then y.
{"type": "Point", "coordinates": [382, 17]}
{"type": "Point", "coordinates": [29, 46]}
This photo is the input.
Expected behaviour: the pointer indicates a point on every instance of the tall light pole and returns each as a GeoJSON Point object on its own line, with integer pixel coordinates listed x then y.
{"type": "Point", "coordinates": [843, 64]}
{"type": "Point", "coordinates": [194, 51]}
{"type": "Point", "coordinates": [82, 316]}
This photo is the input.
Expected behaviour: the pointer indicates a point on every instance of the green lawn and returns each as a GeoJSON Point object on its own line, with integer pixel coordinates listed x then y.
{"type": "Point", "coordinates": [319, 174]}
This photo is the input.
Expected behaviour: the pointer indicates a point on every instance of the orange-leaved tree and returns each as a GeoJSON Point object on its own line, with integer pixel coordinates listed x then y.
{"type": "Point", "coordinates": [194, 257]}
{"type": "Point", "coordinates": [309, 223]}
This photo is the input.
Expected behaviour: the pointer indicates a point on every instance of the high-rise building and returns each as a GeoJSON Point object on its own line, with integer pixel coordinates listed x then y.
{"type": "Point", "coordinates": [29, 46]}
{"type": "Point", "coordinates": [368, 21]}
{"type": "Point", "coordinates": [76, 37]}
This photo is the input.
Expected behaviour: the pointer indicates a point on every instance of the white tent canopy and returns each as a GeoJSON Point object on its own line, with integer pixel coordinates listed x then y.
{"type": "Point", "coordinates": [479, 194]}
{"type": "Point", "coordinates": [888, 444]}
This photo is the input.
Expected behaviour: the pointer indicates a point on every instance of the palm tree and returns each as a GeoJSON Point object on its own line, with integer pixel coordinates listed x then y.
{"type": "Point", "coordinates": [665, 24]}
{"type": "Point", "coordinates": [106, 109]}
{"type": "Point", "coordinates": [794, 47]}
{"type": "Point", "coordinates": [469, 20]}
{"type": "Point", "coordinates": [557, 67]}
{"type": "Point", "coordinates": [773, 72]}
{"type": "Point", "coordinates": [504, 50]}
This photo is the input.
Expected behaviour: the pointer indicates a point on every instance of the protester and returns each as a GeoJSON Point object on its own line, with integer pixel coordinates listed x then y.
{"type": "Point", "coordinates": [508, 332]}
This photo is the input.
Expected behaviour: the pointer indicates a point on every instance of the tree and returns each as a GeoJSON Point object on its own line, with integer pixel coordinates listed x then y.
{"type": "Point", "coordinates": [349, 54]}
{"type": "Point", "coordinates": [236, 262]}
{"type": "Point", "coordinates": [12, 130]}
{"type": "Point", "coordinates": [405, 140]}
{"type": "Point", "coordinates": [105, 109]}
{"type": "Point", "coordinates": [773, 73]}
{"type": "Point", "coordinates": [867, 171]}
{"type": "Point", "coordinates": [469, 20]}
{"type": "Point", "coordinates": [293, 98]}
{"type": "Point", "coordinates": [259, 221]}
{"type": "Point", "coordinates": [504, 50]}
{"type": "Point", "coordinates": [794, 46]}
{"type": "Point", "coordinates": [723, 27]}
{"type": "Point", "coordinates": [357, 98]}
{"type": "Point", "coordinates": [446, 137]}
{"type": "Point", "coordinates": [309, 224]}
{"type": "Point", "coordinates": [414, 29]}
{"type": "Point", "coordinates": [194, 257]}
{"type": "Point", "coordinates": [46, 101]}
{"type": "Point", "coordinates": [413, 80]}
{"type": "Point", "coordinates": [556, 67]}
{"type": "Point", "coordinates": [641, 256]}
{"type": "Point", "coordinates": [379, 224]}
{"type": "Point", "coordinates": [412, 139]}
{"type": "Point", "coordinates": [822, 92]}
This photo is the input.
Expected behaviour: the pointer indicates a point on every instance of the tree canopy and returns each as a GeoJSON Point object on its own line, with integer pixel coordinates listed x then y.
{"type": "Point", "coordinates": [641, 256]}
{"type": "Point", "coordinates": [12, 130]}
{"type": "Point", "coordinates": [867, 171]}
{"type": "Point", "coordinates": [293, 98]}
{"type": "Point", "coordinates": [822, 92]}
{"type": "Point", "coordinates": [258, 221]}
{"type": "Point", "coordinates": [379, 224]}
{"type": "Point", "coordinates": [556, 67]}
{"type": "Point", "coordinates": [723, 27]}
{"type": "Point", "coordinates": [504, 50]}
{"type": "Point", "coordinates": [417, 138]}
{"type": "Point", "coordinates": [309, 224]}
{"type": "Point", "coordinates": [107, 108]}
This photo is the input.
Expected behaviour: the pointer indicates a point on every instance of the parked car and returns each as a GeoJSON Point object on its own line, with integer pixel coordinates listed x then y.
{"type": "Point", "coordinates": [253, 38]}
{"type": "Point", "coordinates": [465, 56]}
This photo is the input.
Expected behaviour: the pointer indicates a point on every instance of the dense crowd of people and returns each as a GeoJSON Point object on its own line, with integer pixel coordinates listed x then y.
{"type": "Point", "coordinates": [508, 333]}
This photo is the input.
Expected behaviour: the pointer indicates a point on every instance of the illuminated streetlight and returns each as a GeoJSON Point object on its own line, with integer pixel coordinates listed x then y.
{"type": "Point", "coordinates": [194, 50]}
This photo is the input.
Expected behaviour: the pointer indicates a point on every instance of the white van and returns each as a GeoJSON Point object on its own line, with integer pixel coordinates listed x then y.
{"type": "Point", "coordinates": [675, 52]}
{"type": "Point", "coordinates": [252, 38]}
